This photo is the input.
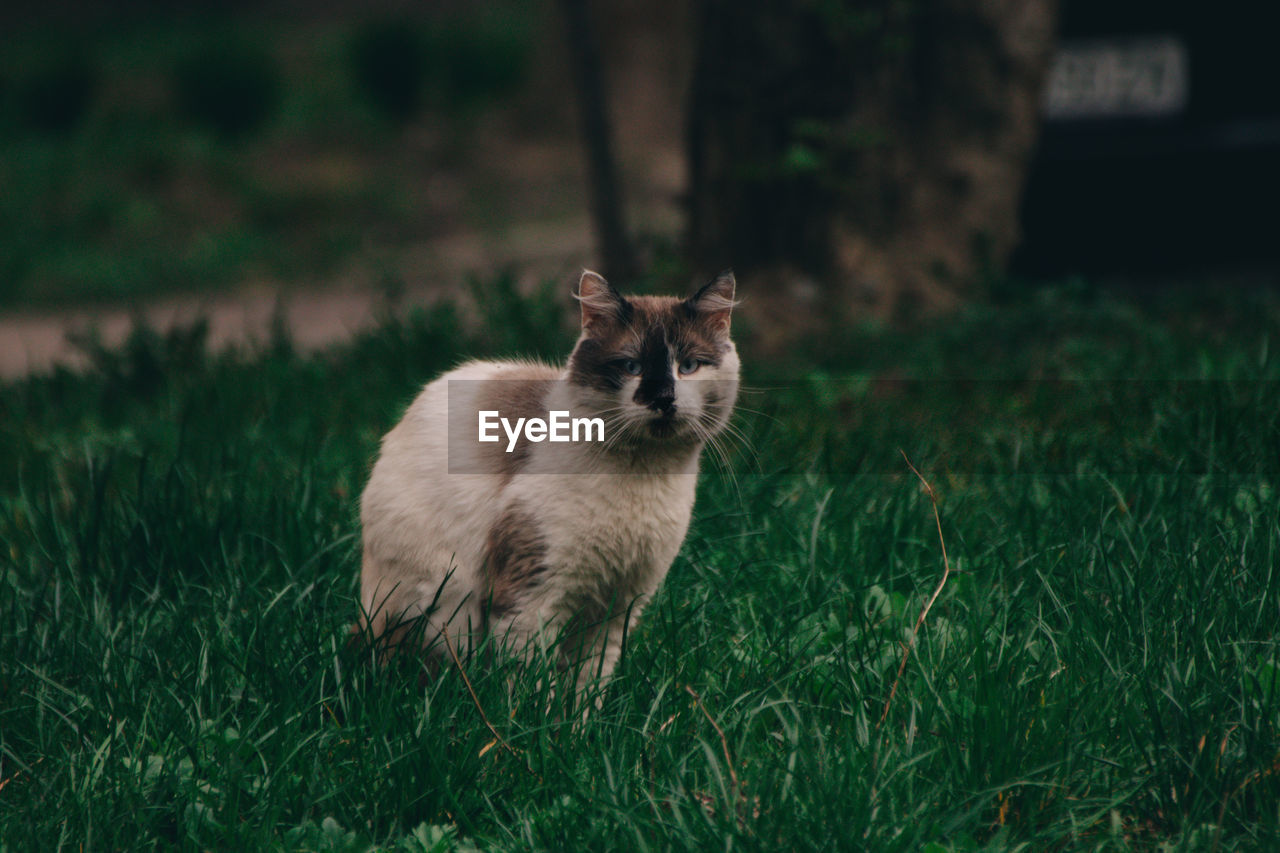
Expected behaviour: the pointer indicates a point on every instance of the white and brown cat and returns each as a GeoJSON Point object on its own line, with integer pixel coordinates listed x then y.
{"type": "Point", "coordinates": [531, 542]}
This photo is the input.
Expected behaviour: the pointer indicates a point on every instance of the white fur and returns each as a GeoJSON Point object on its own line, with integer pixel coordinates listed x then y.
{"type": "Point", "coordinates": [613, 521]}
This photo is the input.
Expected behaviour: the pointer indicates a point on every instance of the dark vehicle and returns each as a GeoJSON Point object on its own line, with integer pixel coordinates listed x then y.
{"type": "Point", "coordinates": [1160, 148]}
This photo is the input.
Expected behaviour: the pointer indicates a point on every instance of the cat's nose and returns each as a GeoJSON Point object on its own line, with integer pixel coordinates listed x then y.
{"type": "Point", "coordinates": [664, 403]}
{"type": "Point", "coordinates": [658, 394]}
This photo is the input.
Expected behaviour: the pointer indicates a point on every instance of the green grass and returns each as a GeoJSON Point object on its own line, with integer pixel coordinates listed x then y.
{"type": "Point", "coordinates": [180, 560]}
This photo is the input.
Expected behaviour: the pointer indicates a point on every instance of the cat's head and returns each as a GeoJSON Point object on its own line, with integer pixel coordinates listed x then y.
{"type": "Point", "coordinates": [659, 368]}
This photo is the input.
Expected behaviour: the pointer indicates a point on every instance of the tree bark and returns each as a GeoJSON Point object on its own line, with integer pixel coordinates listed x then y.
{"type": "Point", "coordinates": [876, 146]}
{"type": "Point", "coordinates": [617, 253]}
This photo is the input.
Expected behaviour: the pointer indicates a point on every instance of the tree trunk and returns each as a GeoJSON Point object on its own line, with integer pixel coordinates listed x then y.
{"type": "Point", "coordinates": [617, 254]}
{"type": "Point", "coordinates": [877, 146]}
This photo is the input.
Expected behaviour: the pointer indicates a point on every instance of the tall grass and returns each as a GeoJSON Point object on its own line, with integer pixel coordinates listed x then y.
{"type": "Point", "coordinates": [180, 560]}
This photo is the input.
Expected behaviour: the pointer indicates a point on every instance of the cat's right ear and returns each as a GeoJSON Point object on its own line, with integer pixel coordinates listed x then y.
{"type": "Point", "coordinates": [602, 306]}
{"type": "Point", "coordinates": [715, 300]}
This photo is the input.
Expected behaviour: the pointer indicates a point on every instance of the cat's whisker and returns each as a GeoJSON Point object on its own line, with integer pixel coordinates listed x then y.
{"type": "Point", "coordinates": [731, 432]}
{"type": "Point", "coordinates": [720, 456]}
{"type": "Point", "coordinates": [722, 443]}
{"type": "Point", "coordinates": [758, 412]}
{"type": "Point", "coordinates": [728, 470]}
{"type": "Point", "coordinates": [732, 429]}
{"type": "Point", "coordinates": [616, 432]}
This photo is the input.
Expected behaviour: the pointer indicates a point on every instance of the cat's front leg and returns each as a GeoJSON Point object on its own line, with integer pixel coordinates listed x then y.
{"type": "Point", "coordinates": [593, 650]}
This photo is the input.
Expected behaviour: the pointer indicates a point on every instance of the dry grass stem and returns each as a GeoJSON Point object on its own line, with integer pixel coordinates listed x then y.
{"type": "Point", "coordinates": [498, 739]}
{"type": "Point", "coordinates": [924, 611]}
{"type": "Point", "coordinates": [724, 742]}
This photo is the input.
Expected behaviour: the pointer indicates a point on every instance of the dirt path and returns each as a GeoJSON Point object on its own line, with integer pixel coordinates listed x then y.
{"type": "Point", "coordinates": [35, 342]}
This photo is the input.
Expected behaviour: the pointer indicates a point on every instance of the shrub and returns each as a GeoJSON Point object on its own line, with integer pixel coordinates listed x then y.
{"type": "Point", "coordinates": [399, 65]}
{"type": "Point", "coordinates": [388, 62]}
{"type": "Point", "coordinates": [56, 96]}
{"type": "Point", "coordinates": [229, 87]}
{"type": "Point", "coordinates": [477, 61]}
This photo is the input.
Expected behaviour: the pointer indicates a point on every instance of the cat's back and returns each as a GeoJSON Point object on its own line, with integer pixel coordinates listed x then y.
{"type": "Point", "coordinates": [454, 398]}
{"type": "Point", "coordinates": [417, 453]}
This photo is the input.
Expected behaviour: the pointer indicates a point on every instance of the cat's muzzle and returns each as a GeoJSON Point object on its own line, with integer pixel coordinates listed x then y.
{"type": "Point", "coordinates": [664, 421]}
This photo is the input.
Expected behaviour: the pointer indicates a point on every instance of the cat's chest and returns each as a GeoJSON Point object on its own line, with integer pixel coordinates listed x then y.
{"type": "Point", "coordinates": [625, 527]}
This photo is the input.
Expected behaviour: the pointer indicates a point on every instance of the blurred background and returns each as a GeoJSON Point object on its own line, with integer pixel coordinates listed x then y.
{"type": "Point", "coordinates": [319, 164]}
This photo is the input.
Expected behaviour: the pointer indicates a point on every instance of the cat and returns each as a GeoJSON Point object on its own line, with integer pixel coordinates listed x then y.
{"type": "Point", "coordinates": [555, 544]}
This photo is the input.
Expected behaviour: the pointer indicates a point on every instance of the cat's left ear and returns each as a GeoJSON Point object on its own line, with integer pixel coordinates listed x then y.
{"type": "Point", "coordinates": [601, 305]}
{"type": "Point", "coordinates": [715, 300]}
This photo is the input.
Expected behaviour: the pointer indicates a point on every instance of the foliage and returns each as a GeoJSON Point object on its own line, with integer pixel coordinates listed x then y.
{"type": "Point", "coordinates": [388, 60]}
{"type": "Point", "coordinates": [474, 62]}
{"type": "Point", "coordinates": [55, 96]}
{"type": "Point", "coordinates": [192, 153]}
{"type": "Point", "coordinates": [179, 570]}
{"type": "Point", "coordinates": [400, 64]}
{"type": "Point", "coordinates": [230, 86]}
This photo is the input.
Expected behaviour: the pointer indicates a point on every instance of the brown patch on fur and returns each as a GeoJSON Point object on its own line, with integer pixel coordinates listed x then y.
{"type": "Point", "coordinates": [515, 558]}
{"type": "Point", "coordinates": [691, 334]}
{"type": "Point", "coordinates": [519, 391]}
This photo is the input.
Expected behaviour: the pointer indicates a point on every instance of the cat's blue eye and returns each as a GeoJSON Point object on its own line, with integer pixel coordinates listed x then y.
{"type": "Point", "coordinates": [689, 365]}
{"type": "Point", "coordinates": [630, 366]}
